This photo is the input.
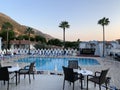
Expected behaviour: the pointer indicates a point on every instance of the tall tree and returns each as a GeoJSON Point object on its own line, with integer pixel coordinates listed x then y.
{"type": "Point", "coordinates": [104, 21]}
{"type": "Point", "coordinates": [7, 26]}
{"type": "Point", "coordinates": [40, 38]}
{"type": "Point", "coordinates": [55, 42]}
{"type": "Point", "coordinates": [64, 25]}
{"type": "Point", "coordinates": [29, 31]}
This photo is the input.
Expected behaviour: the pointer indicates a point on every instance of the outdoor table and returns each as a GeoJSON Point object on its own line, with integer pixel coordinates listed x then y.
{"type": "Point", "coordinates": [84, 73]}
{"type": "Point", "coordinates": [14, 70]}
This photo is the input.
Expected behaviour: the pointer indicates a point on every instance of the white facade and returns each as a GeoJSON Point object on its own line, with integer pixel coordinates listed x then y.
{"type": "Point", "coordinates": [113, 46]}
{"type": "Point", "coordinates": [83, 45]}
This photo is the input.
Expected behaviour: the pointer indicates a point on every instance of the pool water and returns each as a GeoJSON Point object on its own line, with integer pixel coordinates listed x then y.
{"type": "Point", "coordinates": [56, 63]}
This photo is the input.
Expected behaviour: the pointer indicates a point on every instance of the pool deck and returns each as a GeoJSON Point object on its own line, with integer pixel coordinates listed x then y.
{"type": "Point", "coordinates": [45, 82]}
{"type": "Point", "coordinates": [55, 82]}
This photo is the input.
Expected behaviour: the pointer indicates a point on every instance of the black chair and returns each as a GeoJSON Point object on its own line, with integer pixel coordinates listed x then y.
{"type": "Point", "coordinates": [73, 64]}
{"type": "Point", "coordinates": [0, 65]}
{"type": "Point", "coordinates": [4, 75]}
{"type": "Point", "coordinates": [70, 76]}
{"type": "Point", "coordinates": [101, 79]}
{"type": "Point", "coordinates": [27, 71]}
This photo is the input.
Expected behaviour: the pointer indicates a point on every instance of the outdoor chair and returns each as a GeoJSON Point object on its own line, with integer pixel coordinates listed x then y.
{"type": "Point", "coordinates": [101, 79]}
{"type": "Point", "coordinates": [4, 75]}
{"type": "Point", "coordinates": [28, 71]}
{"type": "Point", "coordinates": [0, 65]}
{"type": "Point", "coordinates": [70, 76]}
{"type": "Point", "coordinates": [73, 64]}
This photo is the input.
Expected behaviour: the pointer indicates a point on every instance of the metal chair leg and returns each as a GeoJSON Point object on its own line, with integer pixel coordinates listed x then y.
{"type": "Point", "coordinates": [8, 86]}
{"type": "Point", "coordinates": [29, 79]}
{"type": "Point", "coordinates": [73, 85]}
{"type": "Point", "coordinates": [63, 84]}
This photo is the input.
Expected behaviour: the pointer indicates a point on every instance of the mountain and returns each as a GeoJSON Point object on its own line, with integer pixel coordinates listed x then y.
{"type": "Point", "coordinates": [20, 29]}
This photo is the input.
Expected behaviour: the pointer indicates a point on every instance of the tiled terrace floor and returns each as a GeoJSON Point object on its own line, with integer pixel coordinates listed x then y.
{"type": "Point", "coordinates": [44, 82]}
{"type": "Point", "coordinates": [55, 82]}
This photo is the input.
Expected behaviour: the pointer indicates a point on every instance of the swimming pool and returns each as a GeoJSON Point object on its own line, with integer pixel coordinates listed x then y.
{"type": "Point", "coordinates": [45, 63]}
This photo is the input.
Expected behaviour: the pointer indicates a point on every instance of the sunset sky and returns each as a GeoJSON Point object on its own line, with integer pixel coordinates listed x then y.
{"type": "Point", "coordinates": [82, 15]}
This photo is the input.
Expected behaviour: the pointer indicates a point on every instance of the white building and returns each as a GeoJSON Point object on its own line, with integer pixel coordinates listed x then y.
{"type": "Point", "coordinates": [110, 47]}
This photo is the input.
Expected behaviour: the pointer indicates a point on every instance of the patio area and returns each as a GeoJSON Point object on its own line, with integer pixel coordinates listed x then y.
{"type": "Point", "coordinates": [55, 82]}
{"type": "Point", "coordinates": [44, 82]}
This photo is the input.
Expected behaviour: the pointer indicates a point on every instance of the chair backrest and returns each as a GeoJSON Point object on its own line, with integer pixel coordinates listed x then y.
{"type": "Point", "coordinates": [68, 74]}
{"type": "Point", "coordinates": [4, 74]}
{"type": "Point", "coordinates": [73, 64]}
{"type": "Point", "coordinates": [31, 68]}
{"type": "Point", "coordinates": [103, 76]}
{"type": "Point", "coordinates": [0, 65]}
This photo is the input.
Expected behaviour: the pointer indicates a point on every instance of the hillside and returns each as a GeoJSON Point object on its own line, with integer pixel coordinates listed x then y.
{"type": "Point", "coordinates": [20, 29]}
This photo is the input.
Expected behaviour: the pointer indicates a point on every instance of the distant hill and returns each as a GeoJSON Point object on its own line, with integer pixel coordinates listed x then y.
{"type": "Point", "coordinates": [20, 29]}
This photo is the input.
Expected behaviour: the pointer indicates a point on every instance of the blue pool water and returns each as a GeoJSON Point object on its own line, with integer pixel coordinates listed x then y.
{"type": "Point", "coordinates": [52, 63]}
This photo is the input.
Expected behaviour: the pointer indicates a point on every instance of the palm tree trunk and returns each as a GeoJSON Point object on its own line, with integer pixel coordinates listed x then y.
{"type": "Point", "coordinates": [103, 41]}
{"type": "Point", "coordinates": [19, 43]}
{"type": "Point", "coordinates": [64, 40]}
{"type": "Point", "coordinates": [7, 42]}
{"type": "Point", "coordinates": [29, 44]}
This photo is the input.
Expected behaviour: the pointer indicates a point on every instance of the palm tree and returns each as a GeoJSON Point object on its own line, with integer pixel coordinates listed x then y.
{"type": "Point", "coordinates": [7, 26]}
{"type": "Point", "coordinates": [29, 31]}
{"type": "Point", "coordinates": [64, 25]}
{"type": "Point", "coordinates": [104, 21]}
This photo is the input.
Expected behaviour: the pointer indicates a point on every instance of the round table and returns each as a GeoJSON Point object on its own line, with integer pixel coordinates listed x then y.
{"type": "Point", "coordinates": [85, 73]}
{"type": "Point", "coordinates": [14, 70]}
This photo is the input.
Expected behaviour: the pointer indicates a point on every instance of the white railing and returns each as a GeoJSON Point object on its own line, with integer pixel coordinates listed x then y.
{"type": "Point", "coordinates": [43, 52]}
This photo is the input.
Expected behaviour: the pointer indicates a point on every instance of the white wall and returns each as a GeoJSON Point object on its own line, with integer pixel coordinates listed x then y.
{"type": "Point", "coordinates": [82, 45]}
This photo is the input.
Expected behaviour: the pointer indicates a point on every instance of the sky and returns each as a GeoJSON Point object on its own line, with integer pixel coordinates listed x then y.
{"type": "Point", "coordinates": [82, 16]}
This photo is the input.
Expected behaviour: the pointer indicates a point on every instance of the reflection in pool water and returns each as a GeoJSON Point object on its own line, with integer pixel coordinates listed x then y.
{"type": "Point", "coordinates": [43, 63]}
